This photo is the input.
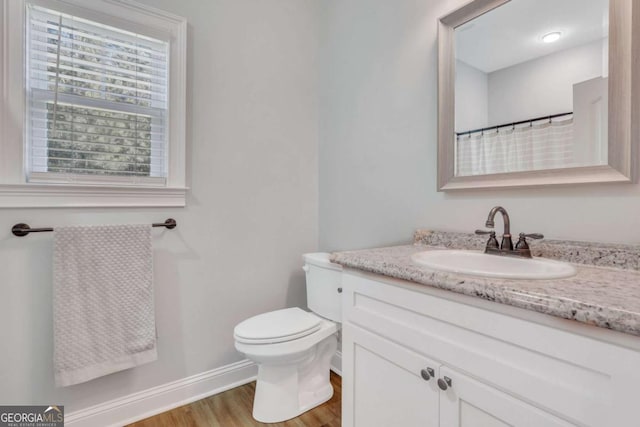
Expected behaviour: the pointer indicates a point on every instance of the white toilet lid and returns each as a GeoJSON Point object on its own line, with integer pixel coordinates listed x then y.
{"type": "Point", "coordinates": [277, 326]}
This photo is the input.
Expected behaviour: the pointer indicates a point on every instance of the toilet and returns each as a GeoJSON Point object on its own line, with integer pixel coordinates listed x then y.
{"type": "Point", "coordinates": [293, 347]}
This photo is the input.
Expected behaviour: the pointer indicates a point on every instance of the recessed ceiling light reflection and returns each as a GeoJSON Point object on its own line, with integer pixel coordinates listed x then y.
{"type": "Point", "coordinates": [551, 37]}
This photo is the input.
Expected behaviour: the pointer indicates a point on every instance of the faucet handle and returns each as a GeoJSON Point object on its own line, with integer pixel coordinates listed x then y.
{"type": "Point", "coordinates": [532, 235]}
{"type": "Point", "coordinates": [492, 243]}
{"type": "Point", "coordinates": [522, 244]}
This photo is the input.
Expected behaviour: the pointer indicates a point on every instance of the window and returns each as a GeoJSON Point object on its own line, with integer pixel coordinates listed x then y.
{"type": "Point", "coordinates": [102, 107]}
{"type": "Point", "coordinates": [96, 99]}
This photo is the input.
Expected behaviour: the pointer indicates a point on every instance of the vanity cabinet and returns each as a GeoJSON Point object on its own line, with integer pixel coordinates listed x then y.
{"type": "Point", "coordinates": [496, 366]}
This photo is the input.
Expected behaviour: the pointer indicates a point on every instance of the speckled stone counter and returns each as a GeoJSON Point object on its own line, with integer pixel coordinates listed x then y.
{"type": "Point", "coordinates": [605, 292]}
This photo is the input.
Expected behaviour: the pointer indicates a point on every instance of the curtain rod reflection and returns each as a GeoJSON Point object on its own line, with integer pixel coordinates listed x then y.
{"type": "Point", "coordinates": [513, 124]}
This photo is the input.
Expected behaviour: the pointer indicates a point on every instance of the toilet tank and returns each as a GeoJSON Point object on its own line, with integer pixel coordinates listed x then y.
{"type": "Point", "coordinates": [324, 286]}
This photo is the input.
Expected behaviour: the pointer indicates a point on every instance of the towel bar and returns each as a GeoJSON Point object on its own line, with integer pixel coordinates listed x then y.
{"type": "Point", "coordinates": [22, 229]}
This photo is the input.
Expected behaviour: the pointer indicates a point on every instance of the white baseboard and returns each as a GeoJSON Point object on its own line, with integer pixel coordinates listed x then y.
{"type": "Point", "coordinates": [156, 400]}
{"type": "Point", "coordinates": [153, 401]}
{"type": "Point", "coordinates": [336, 363]}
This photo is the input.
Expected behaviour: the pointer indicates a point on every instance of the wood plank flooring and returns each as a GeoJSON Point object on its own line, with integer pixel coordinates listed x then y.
{"type": "Point", "coordinates": [233, 409]}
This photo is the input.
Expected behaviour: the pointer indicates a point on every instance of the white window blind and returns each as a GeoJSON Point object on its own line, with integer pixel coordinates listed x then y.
{"type": "Point", "coordinates": [97, 101]}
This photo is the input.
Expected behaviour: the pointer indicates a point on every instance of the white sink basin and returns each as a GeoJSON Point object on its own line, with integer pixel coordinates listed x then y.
{"type": "Point", "coordinates": [480, 264]}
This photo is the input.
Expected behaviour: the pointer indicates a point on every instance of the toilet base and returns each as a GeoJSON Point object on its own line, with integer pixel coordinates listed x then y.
{"type": "Point", "coordinates": [286, 391]}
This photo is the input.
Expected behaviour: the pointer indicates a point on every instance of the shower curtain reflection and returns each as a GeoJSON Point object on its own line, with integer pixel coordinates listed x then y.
{"type": "Point", "coordinates": [527, 147]}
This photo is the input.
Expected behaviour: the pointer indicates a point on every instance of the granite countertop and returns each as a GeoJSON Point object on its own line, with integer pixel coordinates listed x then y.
{"type": "Point", "coordinates": [605, 292]}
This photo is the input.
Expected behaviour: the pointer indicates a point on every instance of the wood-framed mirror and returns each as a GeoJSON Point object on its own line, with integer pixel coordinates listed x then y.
{"type": "Point", "coordinates": [500, 127]}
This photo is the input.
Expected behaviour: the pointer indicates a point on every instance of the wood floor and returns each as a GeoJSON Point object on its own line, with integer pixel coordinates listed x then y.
{"type": "Point", "coordinates": [233, 409]}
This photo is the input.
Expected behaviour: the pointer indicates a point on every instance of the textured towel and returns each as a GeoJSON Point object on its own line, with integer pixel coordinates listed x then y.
{"type": "Point", "coordinates": [103, 313]}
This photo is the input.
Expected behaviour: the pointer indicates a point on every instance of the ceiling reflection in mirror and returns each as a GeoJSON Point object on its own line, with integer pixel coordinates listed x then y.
{"type": "Point", "coordinates": [531, 86]}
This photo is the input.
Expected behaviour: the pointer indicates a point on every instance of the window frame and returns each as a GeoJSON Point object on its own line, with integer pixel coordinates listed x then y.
{"type": "Point", "coordinates": [15, 191]}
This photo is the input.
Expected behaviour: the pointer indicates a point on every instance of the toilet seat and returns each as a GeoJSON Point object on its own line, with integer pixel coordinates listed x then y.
{"type": "Point", "coordinates": [286, 351]}
{"type": "Point", "coordinates": [277, 326]}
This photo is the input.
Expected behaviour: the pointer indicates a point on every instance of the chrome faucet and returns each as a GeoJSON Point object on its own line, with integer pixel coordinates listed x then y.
{"type": "Point", "coordinates": [506, 246]}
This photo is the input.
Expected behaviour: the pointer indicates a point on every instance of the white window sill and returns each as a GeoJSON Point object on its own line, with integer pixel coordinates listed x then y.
{"type": "Point", "coordinates": [75, 196]}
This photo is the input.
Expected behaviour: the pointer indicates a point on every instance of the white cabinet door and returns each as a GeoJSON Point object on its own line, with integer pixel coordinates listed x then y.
{"type": "Point", "coordinates": [386, 384]}
{"type": "Point", "coordinates": [470, 403]}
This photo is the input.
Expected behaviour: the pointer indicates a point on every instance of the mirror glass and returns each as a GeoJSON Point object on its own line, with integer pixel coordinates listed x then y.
{"type": "Point", "coordinates": [531, 87]}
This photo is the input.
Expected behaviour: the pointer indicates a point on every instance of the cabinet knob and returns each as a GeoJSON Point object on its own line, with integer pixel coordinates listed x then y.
{"type": "Point", "coordinates": [444, 383]}
{"type": "Point", "coordinates": [339, 290]}
{"type": "Point", "coordinates": [427, 373]}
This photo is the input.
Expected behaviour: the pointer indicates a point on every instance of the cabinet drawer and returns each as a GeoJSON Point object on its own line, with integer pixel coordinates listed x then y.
{"type": "Point", "coordinates": [585, 380]}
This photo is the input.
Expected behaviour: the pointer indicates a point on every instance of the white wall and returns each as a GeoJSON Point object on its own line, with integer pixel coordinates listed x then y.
{"type": "Point", "coordinates": [252, 210]}
{"type": "Point", "coordinates": [542, 86]}
{"type": "Point", "coordinates": [379, 138]}
{"type": "Point", "coordinates": [472, 97]}
{"type": "Point", "coordinates": [376, 111]}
